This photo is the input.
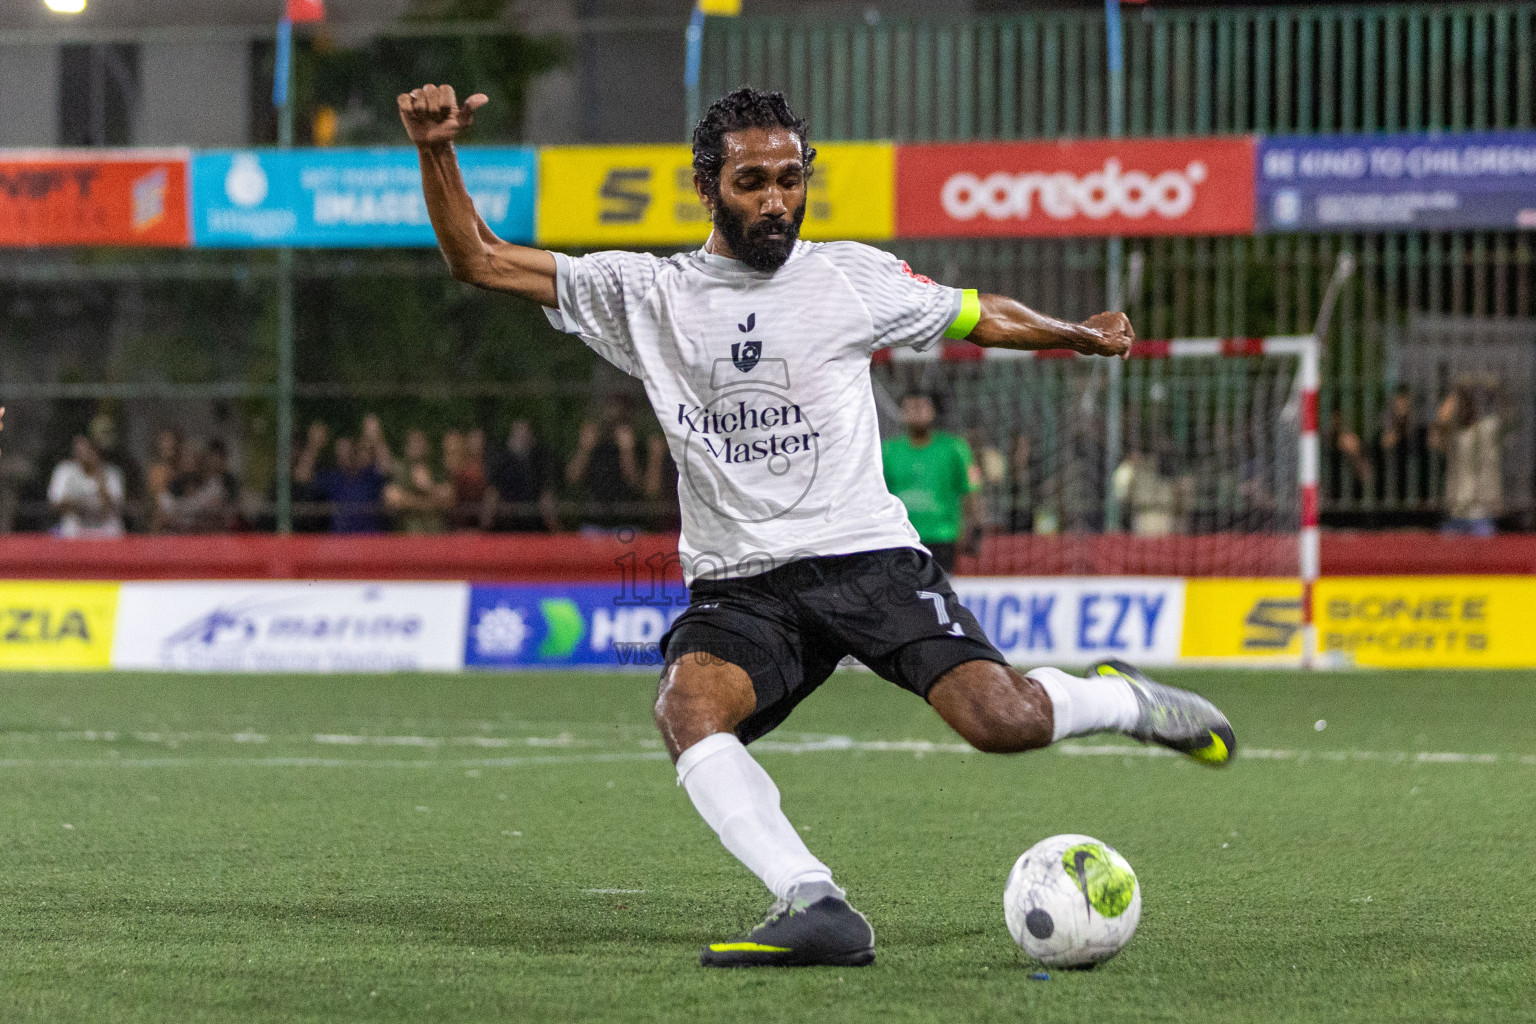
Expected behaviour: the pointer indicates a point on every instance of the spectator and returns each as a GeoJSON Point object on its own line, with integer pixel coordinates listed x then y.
{"type": "Point", "coordinates": [1469, 437]}
{"type": "Point", "coordinates": [417, 498]}
{"type": "Point", "coordinates": [1148, 489]}
{"type": "Point", "coordinates": [1021, 499]}
{"type": "Point", "coordinates": [159, 477]}
{"type": "Point", "coordinates": [309, 514]}
{"type": "Point", "coordinates": [87, 492]}
{"type": "Point", "coordinates": [520, 486]}
{"type": "Point", "coordinates": [354, 487]}
{"type": "Point", "coordinates": [1347, 473]}
{"type": "Point", "coordinates": [935, 476]}
{"type": "Point", "coordinates": [464, 461]}
{"type": "Point", "coordinates": [206, 497]}
{"type": "Point", "coordinates": [1400, 460]}
{"type": "Point", "coordinates": [373, 449]}
{"type": "Point", "coordinates": [104, 436]}
{"type": "Point", "coordinates": [660, 487]}
{"type": "Point", "coordinates": [605, 467]}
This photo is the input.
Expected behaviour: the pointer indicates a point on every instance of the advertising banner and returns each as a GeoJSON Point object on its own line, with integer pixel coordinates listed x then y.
{"type": "Point", "coordinates": [291, 627]}
{"type": "Point", "coordinates": [1074, 621]}
{"type": "Point", "coordinates": [56, 625]}
{"type": "Point", "coordinates": [551, 625]}
{"type": "Point", "coordinates": [591, 196]}
{"type": "Point", "coordinates": [1427, 621]}
{"type": "Point", "coordinates": [1452, 182]}
{"type": "Point", "coordinates": [133, 197]}
{"type": "Point", "coordinates": [349, 197]}
{"type": "Point", "coordinates": [1242, 619]}
{"type": "Point", "coordinates": [1127, 187]}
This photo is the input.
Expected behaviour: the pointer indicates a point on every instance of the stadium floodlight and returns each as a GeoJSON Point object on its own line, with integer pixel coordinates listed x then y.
{"type": "Point", "coordinates": [65, 6]}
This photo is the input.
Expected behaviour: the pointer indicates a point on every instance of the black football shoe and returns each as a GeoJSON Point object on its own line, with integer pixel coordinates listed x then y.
{"type": "Point", "coordinates": [822, 931]}
{"type": "Point", "coordinates": [1177, 719]}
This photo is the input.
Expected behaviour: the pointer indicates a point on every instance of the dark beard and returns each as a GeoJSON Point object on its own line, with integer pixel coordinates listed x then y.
{"type": "Point", "coordinates": [750, 244]}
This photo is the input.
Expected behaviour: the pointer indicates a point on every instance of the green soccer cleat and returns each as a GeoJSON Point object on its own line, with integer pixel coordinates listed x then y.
{"type": "Point", "coordinates": [1178, 719]}
{"type": "Point", "coordinates": [796, 933]}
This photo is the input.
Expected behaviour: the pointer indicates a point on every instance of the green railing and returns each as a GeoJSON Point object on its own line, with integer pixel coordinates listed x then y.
{"type": "Point", "coordinates": [1322, 68]}
{"type": "Point", "coordinates": [1310, 69]}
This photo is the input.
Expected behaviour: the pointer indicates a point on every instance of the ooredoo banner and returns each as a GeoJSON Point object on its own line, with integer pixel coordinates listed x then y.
{"type": "Point", "coordinates": [133, 197]}
{"type": "Point", "coordinates": [1202, 186]}
{"type": "Point", "coordinates": [291, 627]}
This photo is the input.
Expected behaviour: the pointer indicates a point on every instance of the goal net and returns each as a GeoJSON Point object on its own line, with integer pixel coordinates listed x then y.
{"type": "Point", "coordinates": [1212, 471]}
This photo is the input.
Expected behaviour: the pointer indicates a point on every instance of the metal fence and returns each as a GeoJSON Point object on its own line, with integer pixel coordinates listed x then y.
{"type": "Point", "coordinates": [1320, 68]}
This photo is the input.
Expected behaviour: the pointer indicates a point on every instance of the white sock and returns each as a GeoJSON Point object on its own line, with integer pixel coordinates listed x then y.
{"type": "Point", "coordinates": [1086, 705]}
{"type": "Point", "coordinates": [741, 803]}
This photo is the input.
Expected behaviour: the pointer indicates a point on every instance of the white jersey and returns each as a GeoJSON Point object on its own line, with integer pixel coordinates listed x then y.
{"type": "Point", "coordinates": [761, 383]}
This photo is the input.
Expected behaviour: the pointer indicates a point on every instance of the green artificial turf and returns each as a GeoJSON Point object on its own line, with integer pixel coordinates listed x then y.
{"type": "Point", "coordinates": [408, 848]}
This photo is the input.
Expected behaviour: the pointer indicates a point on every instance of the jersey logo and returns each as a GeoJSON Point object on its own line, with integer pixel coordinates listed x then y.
{"type": "Point", "coordinates": [745, 354]}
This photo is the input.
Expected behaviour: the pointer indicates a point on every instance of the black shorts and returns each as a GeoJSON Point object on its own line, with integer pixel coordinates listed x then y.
{"type": "Point", "coordinates": [788, 628]}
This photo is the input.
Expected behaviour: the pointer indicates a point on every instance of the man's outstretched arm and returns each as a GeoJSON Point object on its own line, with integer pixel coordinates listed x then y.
{"type": "Point", "coordinates": [433, 118]}
{"type": "Point", "coordinates": [1007, 323]}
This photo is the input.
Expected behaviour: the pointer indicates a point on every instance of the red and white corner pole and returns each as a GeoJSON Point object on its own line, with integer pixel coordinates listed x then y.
{"type": "Point", "coordinates": [1310, 539]}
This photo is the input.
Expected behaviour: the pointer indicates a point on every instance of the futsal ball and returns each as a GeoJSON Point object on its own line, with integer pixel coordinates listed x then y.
{"type": "Point", "coordinates": [1072, 901]}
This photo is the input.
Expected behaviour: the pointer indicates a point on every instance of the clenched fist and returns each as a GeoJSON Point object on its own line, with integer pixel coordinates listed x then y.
{"type": "Point", "coordinates": [432, 114]}
{"type": "Point", "coordinates": [1108, 334]}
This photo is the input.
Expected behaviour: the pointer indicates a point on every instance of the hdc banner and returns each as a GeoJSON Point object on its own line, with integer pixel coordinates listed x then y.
{"type": "Point", "coordinates": [1101, 187]}
{"type": "Point", "coordinates": [1463, 181]}
{"type": "Point", "coordinates": [131, 197]}
{"type": "Point", "coordinates": [349, 197]}
{"type": "Point", "coordinates": [588, 624]}
{"type": "Point", "coordinates": [644, 195]}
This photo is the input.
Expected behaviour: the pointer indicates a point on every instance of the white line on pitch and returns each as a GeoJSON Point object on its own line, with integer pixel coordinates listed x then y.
{"type": "Point", "coordinates": [819, 744]}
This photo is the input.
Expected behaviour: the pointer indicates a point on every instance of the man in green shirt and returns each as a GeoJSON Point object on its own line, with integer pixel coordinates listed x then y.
{"type": "Point", "coordinates": [935, 476]}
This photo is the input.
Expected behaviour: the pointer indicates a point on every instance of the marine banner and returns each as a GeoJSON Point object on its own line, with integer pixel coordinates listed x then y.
{"type": "Point", "coordinates": [101, 197]}
{"type": "Point", "coordinates": [291, 627]}
{"type": "Point", "coordinates": [1457, 181]}
{"type": "Point", "coordinates": [592, 196]}
{"type": "Point", "coordinates": [56, 625]}
{"type": "Point", "coordinates": [1201, 186]}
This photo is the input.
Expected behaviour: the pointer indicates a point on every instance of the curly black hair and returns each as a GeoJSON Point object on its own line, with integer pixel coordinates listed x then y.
{"type": "Point", "coordinates": [736, 111]}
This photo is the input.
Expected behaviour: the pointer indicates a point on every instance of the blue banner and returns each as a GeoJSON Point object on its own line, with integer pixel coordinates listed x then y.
{"type": "Point", "coordinates": [366, 198]}
{"type": "Point", "coordinates": [588, 624]}
{"type": "Point", "coordinates": [1442, 182]}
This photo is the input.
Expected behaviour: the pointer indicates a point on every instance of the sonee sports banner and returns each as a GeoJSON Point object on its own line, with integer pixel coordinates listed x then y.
{"type": "Point", "coordinates": [1101, 187]}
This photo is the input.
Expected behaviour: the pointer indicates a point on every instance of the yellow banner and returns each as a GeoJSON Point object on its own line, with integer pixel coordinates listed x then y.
{"type": "Point", "coordinates": [1427, 621]}
{"type": "Point", "coordinates": [56, 625]}
{"type": "Point", "coordinates": [1242, 618]}
{"type": "Point", "coordinates": [592, 196]}
{"type": "Point", "coordinates": [1370, 621]}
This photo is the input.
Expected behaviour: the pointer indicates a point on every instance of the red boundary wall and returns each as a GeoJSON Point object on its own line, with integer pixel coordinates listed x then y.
{"type": "Point", "coordinates": [575, 558]}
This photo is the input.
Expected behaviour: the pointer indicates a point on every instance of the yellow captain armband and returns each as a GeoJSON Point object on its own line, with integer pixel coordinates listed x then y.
{"type": "Point", "coordinates": [970, 316]}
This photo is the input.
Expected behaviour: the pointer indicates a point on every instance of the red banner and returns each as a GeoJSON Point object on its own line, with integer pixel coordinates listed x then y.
{"type": "Point", "coordinates": [64, 198]}
{"type": "Point", "coordinates": [1102, 187]}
